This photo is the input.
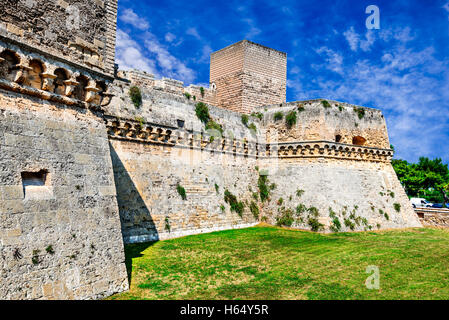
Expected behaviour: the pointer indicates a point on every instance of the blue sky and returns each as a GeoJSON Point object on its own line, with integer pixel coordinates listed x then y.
{"type": "Point", "coordinates": [402, 68]}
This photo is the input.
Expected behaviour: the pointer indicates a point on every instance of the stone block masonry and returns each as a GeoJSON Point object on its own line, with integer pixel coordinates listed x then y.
{"type": "Point", "coordinates": [247, 75]}
{"type": "Point", "coordinates": [64, 242]}
{"type": "Point", "coordinates": [83, 170]}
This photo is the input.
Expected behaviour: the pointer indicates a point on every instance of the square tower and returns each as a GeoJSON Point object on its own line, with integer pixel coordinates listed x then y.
{"type": "Point", "coordinates": [246, 75]}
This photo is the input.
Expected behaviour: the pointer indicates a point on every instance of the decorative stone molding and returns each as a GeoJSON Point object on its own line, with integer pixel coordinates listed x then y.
{"type": "Point", "coordinates": [152, 133]}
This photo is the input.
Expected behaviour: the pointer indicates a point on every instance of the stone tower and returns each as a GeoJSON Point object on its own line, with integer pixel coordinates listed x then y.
{"type": "Point", "coordinates": [246, 75]}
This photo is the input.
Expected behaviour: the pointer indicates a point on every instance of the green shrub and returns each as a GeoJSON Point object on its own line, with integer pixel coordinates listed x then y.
{"type": "Point", "coordinates": [263, 188]}
{"type": "Point", "coordinates": [245, 119]}
{"type": "Point", "coordinates": [299, 193]}
{"type": "Point", "coordinates": [222, 208]}
{"type": "Point", "coordinates": [280, 202]}
{"type": "Point", "coordinates": [236, 206]}
{"type": "Point", "coordinates": [349, 224]}
{"type": "Point", "coordinates": [217, 188]}
{"type": "Point", "coordinates": [397, 207]}
{"type": "Point", "coordinates": [340, 107]}
{"type": "Point", "coordinates": [387, 216]}
{"type": "Point", "coordinates": [202, 91]}
{"type": "Point", "coordinates": [392, 194]}
{"type": "Point", "coordinates": [167, 224]}
{"type": "Point", "coordinates": [202, 112]}
{"type": "Point", "coordinates": [300, 209]}
{"type": "Point", "coordinates": [212, 125]}
{"type": "Point", "coordinates": [336, 225]}
{"type": "Point", "coordinates": [136, 96]}
{"type": "Point", "coordinates": [285, 219]}
{"type": "Point", "coordinates": [314, 224]}
{"type": "Point", "coordinates": [50, 250]}
{"type": "Point", "coordinates": [301, 108]}
{"type": "Point", "coordinates": [290, 119]}
{"type": "Point", "coordinates": [314, 212]}
{"type": "Point", "coordinates": [253, 129]}
{"type": "Point", "coordinates": [181, 191]}
{"type": "Point", "coordinates": [360, 112]}
{"type": "Point", "coordinates": [187, 95]}
{"type": "Point", "coordinates": [325, 104]}
{"type": "Point", "coordinates": [278, 116]}
{"type": "Point", "coordinates": [258, 115]}
{"type": "Point", "coordinates": [254, 209]}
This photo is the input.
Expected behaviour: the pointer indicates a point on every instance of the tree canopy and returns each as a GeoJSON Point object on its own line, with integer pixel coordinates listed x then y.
{"type": "Point", "coordinates": [427, 178]}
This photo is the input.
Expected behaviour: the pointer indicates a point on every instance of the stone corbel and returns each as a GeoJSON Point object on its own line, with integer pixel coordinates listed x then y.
{"type": "Point", "coordinates": [70, 87]}
{"type": "Point", "coordinates": [106, 97]}
{"type": "Point", "coordinates": [47, 81]}
{"type": "Point", "coordinates": [20, 73]}
{"type": "Point", "coordinates": [91, 93]}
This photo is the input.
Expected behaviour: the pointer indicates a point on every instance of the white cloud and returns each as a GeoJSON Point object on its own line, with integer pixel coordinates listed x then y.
{"type": "Point", "coordinates": [130, 17]}
{"type": "Point", "coordinates": [446, 7]}
{"type": "Point", "coordinates": [193, 32]}
{"type": "Point", "coordinates": [169, 37]}
{"type": "Point", "coordinates": [253, 29]}
{"type": "Point", "coordinates": [170, 65]}
{"type": "Point", "coordinates": [334, 60]}
{"type": "Point", "coordinates": [355, 42]}
{"type": "Point", "coordinates": [129, 54]}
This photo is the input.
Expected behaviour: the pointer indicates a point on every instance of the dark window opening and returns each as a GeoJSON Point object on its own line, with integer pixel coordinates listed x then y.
{"type": "Point", "coordinates": [338, 138]}
{"type": "Point", "coordinates": [34, 178]}
{"type": "Point", "coordinates": [358, 141]}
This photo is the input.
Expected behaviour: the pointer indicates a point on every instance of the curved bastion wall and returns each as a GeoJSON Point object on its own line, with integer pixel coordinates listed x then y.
{"type": "Point", "coordinates": [163, 144]}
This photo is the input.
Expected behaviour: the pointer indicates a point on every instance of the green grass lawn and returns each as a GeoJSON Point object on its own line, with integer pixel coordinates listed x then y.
{"type": "Point", "coordinates": [275, 263]}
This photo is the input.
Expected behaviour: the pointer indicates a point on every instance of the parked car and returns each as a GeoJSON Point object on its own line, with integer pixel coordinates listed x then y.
{"type": "Point", "coordinates": [420, 203]}
{"type": "Point", "coordinates": [440, 205]}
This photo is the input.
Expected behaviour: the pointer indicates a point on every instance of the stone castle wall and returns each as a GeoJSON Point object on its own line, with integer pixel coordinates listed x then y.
{"type": "Point", "coordinates": [153, 153]}
{"type": "Point", "coordinates": [84, 31]}
{"type": "Point", "coordinates": [60, 229]}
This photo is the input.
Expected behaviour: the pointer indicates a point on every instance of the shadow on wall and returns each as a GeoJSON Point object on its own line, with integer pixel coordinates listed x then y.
{"type": "Point", "coordinates": [135, 218]}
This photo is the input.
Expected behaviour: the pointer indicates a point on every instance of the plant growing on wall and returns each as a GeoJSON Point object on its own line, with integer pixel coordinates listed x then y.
{"type": "Point", "coordinates": [325, 104]}
{"type": "Point", "coordinates": [397, 207]}
{"type": "Point", "coordinates": [212, 125]}
{"type": "Point", "coordinates": [278, 116]}
{"type": "Point", "coordinates": [286, 218]}
{"type": "Point", "coordinates": [254, 209]}
{"type": "Point", "coordinates": [290, 119]}
{"type": "Point", "coordinates": [202, 112]}
{"type": "Point", "coordinates": [258, 115]}
{"type": "Point", "coordinates": [360, 112]}
{"type": "Point", "coordinates": [202, 91]}
{"type": "Point", "coordinates": [35, 258]}
{"type": "Point", "coordinates": [299, 193]}
{"type": "Point", "coordinates": [301, 108]}
{"type": "Point", "coordinates": [217, 188]}
{"type": "Point", "coordinates": [50, 250]}
{"type": "Point", "coordinates": [136, 96]}
{"type": "Point", "coordinates": [253, 129]}
{"type": "Point", "coordinates": [167, 224]}
{"type": "Point", "coordinates": [181, 191]}
{"type": "Point", "coordinates": [187, 95]}
{"type": "Point", "coordinates": [236, 206]}
{"type": "Point", "coordinates": [245, 119]}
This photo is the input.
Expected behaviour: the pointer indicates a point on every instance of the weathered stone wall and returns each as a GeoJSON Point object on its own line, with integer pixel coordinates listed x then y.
{"type": "Point", "coordinates": [247, 75]}
{"type": "Point", "coordinates": [314, 122]}
{"type": "Point", "coordinates": [74, 30]}
{"type": "Point", "coordinates": [152, 153]}
{"type": "Point", "coordinates": [60, 236]}
{"type": "Point", "coordinates": [348, 189]}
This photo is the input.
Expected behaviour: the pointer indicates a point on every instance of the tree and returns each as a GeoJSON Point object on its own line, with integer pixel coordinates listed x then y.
{"type": "Point", "coordinates": [428, 177]}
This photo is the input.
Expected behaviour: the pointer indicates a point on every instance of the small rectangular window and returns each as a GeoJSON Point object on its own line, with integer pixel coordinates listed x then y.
{"type": "Point", "coordinates": [36, 185]}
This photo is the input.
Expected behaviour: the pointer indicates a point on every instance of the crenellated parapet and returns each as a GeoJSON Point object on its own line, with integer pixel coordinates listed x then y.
{"type": "Point", "coordinates": [147, 81]}
{"type": "Point", "coordinates": [152, 133]}
{"type": "Point", "coordinates": [33, 74]}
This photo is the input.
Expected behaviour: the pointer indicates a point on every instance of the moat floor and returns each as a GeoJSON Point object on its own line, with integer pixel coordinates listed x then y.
{"type": "Point", "coordinates": [273, 263]}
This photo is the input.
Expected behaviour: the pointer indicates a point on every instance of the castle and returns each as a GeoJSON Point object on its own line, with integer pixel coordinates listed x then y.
{"type": "Point", "coordinates": [86, 167]}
